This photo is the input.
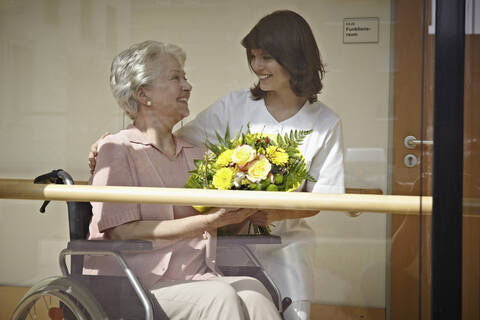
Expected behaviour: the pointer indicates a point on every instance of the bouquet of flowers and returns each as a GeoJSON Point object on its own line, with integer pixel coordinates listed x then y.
{"type": "Point", "coordinates": [251, 161]}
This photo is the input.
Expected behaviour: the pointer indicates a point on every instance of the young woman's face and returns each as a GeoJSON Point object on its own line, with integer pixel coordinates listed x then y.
{"type": "Point", "coordinates": [272, 76]}
{"type": "Point", "coordinates": [170, 92]}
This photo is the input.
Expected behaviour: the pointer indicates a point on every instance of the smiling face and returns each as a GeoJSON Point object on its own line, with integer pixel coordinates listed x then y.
{"type": "Point", "coordinates": [170, 92]}
{"type": "Point", "coordinates": [272, 76]}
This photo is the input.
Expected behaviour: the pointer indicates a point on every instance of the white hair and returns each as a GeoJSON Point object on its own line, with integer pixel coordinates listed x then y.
{"type": "Point", "coordinates": [135, 67]}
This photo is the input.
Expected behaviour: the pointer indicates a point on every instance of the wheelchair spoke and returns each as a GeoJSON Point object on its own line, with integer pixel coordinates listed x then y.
{"type": "Point", "coordinates": [30, 316]}
{"type": "Point", "coordinates": [34, 312]}
{"type": "Point", "coordinates": [57, 298]}
{"type": "Point", "coordinates": [44, 301]}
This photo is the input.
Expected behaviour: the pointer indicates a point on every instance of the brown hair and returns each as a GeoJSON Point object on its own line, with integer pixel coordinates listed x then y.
{"type": "Point", "coordinates": [288, 38]}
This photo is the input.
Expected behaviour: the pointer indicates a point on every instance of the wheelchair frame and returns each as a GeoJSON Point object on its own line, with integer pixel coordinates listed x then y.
{"type": "Point", "coordinates": [85, 295]}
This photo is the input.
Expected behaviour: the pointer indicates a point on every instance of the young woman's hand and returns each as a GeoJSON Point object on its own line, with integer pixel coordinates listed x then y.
{"type": "Point", "coordinates": [265, 217]}
{"type": "Point", "coordinates": [93, 153]}
{"type": "Point", "coordinates": [219, 217]}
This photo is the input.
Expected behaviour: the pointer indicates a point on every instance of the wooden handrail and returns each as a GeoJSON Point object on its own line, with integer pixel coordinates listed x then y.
{"type": "Point", "coordinates": [354, 201]}
{"type": "Point", "coordinates": [25, 189]}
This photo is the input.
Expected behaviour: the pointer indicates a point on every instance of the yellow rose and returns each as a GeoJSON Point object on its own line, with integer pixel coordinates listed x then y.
{"type": "Point", "coordinates": [259, 169]}
{"type": "Point", "coordinates": [223, 179]}
{"type": "Point", "coordinates": [243, 154]}
{"type": "Point", "coordinates": [277, 155]}
{"type": "Point", "coordinates": [224, 158]}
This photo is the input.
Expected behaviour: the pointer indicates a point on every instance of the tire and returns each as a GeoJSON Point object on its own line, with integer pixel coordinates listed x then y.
{"type": "Point", "coordinates": [58, 298]}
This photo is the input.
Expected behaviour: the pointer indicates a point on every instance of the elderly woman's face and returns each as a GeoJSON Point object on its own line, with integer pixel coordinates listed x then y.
{"type": "Point", "coordinates": [170, 92]}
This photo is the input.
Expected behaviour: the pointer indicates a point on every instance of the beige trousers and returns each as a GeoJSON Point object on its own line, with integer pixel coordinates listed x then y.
{"type": "Point", "coordinates": [229, 298]}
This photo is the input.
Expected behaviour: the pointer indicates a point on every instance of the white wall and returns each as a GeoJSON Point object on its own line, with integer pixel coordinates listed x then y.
{"type": "Point", "coordinates": [55, 101]}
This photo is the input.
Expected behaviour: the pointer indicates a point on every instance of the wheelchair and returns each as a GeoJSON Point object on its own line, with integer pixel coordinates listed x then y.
{"type": "Point", "coordinates": [94, 297]}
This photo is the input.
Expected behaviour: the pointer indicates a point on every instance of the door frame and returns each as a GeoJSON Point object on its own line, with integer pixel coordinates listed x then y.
{"type": "Point", "coordinates": [446, 293]}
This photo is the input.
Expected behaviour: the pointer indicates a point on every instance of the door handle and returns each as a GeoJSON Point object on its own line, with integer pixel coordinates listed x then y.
{"type": "Point", "coordinates": [411, 142]}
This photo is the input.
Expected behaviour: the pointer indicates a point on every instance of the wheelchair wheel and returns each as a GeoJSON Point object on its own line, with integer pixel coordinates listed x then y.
{"type": "Point", "coordinates": [58, 298]}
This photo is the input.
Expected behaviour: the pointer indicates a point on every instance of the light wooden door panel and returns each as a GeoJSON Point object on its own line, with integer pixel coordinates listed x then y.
{"type": "Point", "coordinates": [413, 115]}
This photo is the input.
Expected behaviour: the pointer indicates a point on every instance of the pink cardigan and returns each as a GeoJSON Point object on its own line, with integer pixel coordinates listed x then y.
{"type": "Point", "coordinates": [128, 159]}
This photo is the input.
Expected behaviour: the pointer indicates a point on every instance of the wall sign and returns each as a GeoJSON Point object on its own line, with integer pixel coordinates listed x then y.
{"type": "Point", "coordinates": [360, 30]}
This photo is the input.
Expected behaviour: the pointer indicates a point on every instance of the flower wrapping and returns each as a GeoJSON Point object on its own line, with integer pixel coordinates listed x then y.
{"type": "Point", "coordinates": [251, 161]}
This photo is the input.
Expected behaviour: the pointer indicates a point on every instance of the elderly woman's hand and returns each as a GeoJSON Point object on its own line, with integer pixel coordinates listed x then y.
{"type": "Point", "coordinates": [219, 217]}
{"type": "Point", "coordinates": [94, 152]}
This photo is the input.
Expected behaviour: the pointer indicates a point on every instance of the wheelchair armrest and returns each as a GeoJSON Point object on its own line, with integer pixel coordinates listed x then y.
{"type": "Point", "coordinates": [228, 241]}
{"type": "Point", "coordinates": [110, 245]}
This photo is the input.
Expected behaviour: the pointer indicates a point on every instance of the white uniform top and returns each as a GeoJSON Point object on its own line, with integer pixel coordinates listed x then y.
{"type": "Point", "coordinates": [290, 264]}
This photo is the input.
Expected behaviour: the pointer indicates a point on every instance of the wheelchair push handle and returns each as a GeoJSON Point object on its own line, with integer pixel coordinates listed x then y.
{"type": "Point", "coordinates": [58, 176]}
{"type": "Point", "coordinates": [44, 206]}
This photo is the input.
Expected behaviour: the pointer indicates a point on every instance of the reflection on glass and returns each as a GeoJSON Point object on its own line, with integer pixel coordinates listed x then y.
{"type": "Point", "coordinates": [471, 176]}
{"type": "Point", "coordinates": [55, 59]}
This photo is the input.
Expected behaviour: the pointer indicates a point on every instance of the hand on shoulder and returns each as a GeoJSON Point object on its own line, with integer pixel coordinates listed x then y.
{"type": "Point", "coordinates": [94, 152]}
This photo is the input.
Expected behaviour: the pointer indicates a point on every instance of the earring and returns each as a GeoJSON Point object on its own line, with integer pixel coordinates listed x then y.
{"type": "Point", "coordinates": [149, 103]}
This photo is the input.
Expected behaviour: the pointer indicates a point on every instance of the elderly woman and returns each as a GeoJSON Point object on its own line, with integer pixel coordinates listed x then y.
{"type": "Point", "coordinates": [149, 84]}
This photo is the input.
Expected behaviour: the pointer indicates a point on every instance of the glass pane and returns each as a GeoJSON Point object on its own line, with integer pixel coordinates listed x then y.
{"type": "Point", "coordinates": [471, 174]}
{"type": "Point", "coordinates": [378, 56]}
{"type": "Point", "coordinates": [413, 135]}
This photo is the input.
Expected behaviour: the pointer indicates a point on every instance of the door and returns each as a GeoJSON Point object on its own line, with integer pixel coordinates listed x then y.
{"type": "Point", "coordinates": [413, 116]}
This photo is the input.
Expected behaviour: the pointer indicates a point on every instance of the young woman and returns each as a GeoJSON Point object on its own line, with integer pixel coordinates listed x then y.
{"type": "Point", "coordinates": [282, 52]}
